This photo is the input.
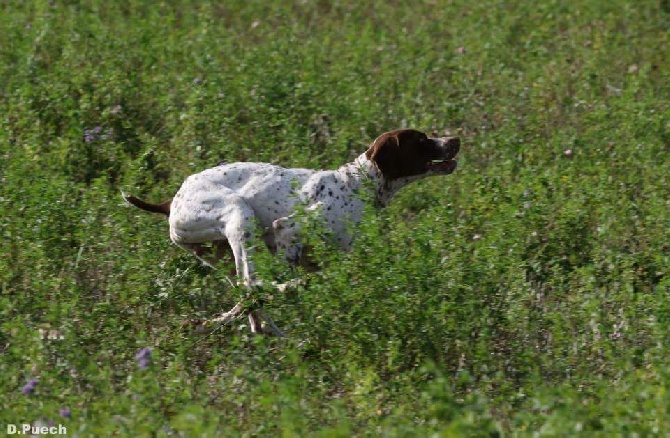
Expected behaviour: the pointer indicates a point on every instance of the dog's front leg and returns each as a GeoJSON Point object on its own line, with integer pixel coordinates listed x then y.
{"type": "Point", "coordinates": [285, 232]}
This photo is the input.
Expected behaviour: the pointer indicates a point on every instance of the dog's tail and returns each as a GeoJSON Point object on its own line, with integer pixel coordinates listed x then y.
{"type": "Point", "coordinates": [153, 208]}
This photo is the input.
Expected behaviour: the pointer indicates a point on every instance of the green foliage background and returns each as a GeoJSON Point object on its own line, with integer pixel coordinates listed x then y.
{"type": "Point", "coordinates": [528, 292]}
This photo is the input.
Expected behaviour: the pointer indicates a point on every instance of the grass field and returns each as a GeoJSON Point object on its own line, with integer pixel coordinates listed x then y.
{"type": "Point", "coordinates": [529, 292]}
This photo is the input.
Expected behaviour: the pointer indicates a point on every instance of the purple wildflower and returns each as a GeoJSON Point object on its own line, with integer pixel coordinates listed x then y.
{"type": "Point", "coordinates": [143, 357]}
{"type": "Point", "coordinates": [29, 387]}
{"type": "Point", "coordinates": [65, 413]}
{"type": "Point", "coordinates": [89, 136]}
{"type": "Point", "coordinates": [197, 81]}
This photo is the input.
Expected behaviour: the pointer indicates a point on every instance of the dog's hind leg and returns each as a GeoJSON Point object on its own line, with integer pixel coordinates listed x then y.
{"type": "Point", "coordinates": [239, 230]}
{"type": "Point", "coordinates": [256, 318]}
{"type": "Point", "coordinates": [211, 253]}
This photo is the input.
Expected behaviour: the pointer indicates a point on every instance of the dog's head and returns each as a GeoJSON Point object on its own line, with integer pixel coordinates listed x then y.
{"type": "Point", "coordinates": [409, 153]}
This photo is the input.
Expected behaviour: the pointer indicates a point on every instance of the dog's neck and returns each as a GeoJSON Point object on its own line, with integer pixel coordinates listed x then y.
{"type": "Point", "coordinates": [363, 173]}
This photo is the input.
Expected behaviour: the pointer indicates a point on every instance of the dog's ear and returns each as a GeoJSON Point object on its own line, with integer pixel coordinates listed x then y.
{"type": "Point", "coordinates": [385, 153]}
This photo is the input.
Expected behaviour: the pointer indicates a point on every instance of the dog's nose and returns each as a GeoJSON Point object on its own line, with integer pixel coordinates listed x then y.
{"type": "Point", "coordinates": [452, 145]}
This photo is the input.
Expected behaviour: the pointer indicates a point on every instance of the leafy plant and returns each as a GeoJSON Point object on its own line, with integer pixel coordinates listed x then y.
{"type": "Point", "coordinates": [525, 294]}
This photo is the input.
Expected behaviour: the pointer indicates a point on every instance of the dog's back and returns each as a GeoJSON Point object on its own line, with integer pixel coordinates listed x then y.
{"type": "Point", "coordinates": [271, 191]}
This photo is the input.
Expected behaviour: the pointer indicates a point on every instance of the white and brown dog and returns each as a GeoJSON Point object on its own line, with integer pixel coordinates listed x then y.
{"type": "Point", "coordinates": [217, 211]}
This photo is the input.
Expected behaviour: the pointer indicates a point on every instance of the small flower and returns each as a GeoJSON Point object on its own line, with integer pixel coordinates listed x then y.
{"type": "Point", "coordinates": [89, 136]}
{"type": "Point", "coordinates": [568, 153]}
{"type": "Point", "coordinates": [197, 81]}
{"type": "Point", "coordinates": [143, 357]}
{"type": "Point", "coordinates": [65, 413]}
{"type": "Point", "coordinates": [29, 387]}
{"type": "Point", "coordinates": [461, 50]}
{"type": "Point", "coordinates": [143, 363]}
{"type": "Point", "coordinates": [116, 109]}
{"type": "Point", "coordinates": [255, 24]}
{"type": "Point", "coordinates": [476, 237]}
{"type": "Point", "coordinates": [143, 353]}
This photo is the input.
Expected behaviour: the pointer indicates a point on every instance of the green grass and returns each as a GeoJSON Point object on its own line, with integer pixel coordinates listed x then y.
{"type": "Point", "coordinates": [529, 292]}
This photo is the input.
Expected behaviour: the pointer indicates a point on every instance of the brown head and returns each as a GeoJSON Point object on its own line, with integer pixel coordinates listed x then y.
{"type": "Point", "coordinates": [407, 153]}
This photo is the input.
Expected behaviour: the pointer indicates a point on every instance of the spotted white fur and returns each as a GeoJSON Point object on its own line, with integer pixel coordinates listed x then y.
{"type": "Point", "coordinates": [229, 202]}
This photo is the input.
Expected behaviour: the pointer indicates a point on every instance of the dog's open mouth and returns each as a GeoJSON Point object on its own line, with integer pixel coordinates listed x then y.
{"type": "Point", "coordinates": [450, 147]}
{"type": "Point", "coordinates": [442, 166]}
